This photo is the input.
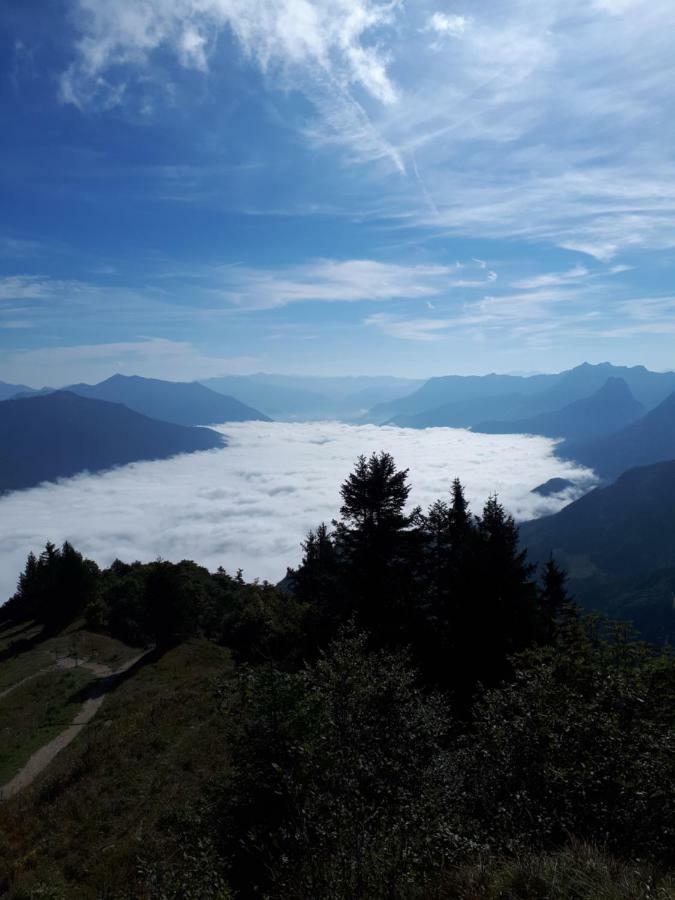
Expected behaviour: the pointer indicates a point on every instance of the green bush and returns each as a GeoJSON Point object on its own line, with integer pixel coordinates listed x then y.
{"type": "Point", "coordinates": [579, 745]}
{"type": "Point", "coordinates": [341, 786]}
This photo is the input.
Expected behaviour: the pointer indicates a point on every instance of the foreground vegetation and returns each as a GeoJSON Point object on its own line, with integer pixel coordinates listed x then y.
{"type": "Point", "coordinates": [416, 712]}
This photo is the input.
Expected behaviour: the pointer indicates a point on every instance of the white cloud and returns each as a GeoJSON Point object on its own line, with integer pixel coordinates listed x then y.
{"type": "Point", "coordinates": [36, 287]}
{"type": "Point", "coordinates": [251, 504]}
{"type": "Point", "coordinates": [329, 35]}
{"type": "Point", "coordinates": [448, 24]}
{"type": "Point", "coordinates": [323, 48]}
{"type": "Point", "coordinates": [523, 129]}
{"type": "Point", "coordinates": [409, 329]}
{"type": "Point", "coordinates": [552, 278]}
{"type": "Point", "coordinates": [331, 280]}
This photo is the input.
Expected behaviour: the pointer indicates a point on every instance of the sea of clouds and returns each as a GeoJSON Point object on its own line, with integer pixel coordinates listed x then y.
{"type": "Point", "coordinates": [251, 504]}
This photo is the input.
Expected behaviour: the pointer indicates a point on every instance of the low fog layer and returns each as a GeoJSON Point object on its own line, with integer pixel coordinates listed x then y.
{"type": "Point", "coordinates": [250, 505]}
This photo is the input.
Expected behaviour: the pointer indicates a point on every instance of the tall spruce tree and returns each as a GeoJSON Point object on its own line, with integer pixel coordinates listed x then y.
{"type": "Point", "coordinates": [376, 543]}
{"type": "Point", "coordinates": [553, 599]}
{"type": "Point", "coordinates": [317, 584]}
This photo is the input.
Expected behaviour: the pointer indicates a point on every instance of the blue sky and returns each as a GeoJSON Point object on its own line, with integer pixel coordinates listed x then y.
{"type": "Point", "coordinates": [195, 187]}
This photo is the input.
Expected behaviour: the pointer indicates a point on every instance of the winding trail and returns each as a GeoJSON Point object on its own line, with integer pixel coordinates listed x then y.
{"type": "Point", "coordinates": [38, 762]}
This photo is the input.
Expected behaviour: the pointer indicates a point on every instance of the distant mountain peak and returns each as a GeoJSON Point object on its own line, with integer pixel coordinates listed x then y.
{"type": "Point", "coordinates": [180, 402]}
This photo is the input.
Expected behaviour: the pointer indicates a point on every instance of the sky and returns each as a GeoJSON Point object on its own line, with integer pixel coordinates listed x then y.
{"type": "Point", "coordinates": [251, 504]}
{"type": "Point", "coordinates": [196, 187]}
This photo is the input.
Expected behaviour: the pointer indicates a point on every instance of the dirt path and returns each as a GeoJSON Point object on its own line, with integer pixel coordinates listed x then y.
{"type": "Point", "coordinates": [63, 662]}
{"type": "Point", "coordinates": [39, 761]}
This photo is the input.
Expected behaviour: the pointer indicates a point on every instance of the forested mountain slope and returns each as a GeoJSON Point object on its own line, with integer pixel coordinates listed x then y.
{"type": "Point", "coordinates": [57, 435]}
{"type": "Point", "coordinates": [617, 545]}
{"type": "Point", "coordinates": [650, 439]}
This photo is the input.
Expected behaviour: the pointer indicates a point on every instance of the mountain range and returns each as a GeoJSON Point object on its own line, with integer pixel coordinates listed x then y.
{"type": "Point", "coordinates": [604, 412]}
{"type": "Point", "coordinates": [649, 439]}
{"type": "Point", "coordinates": [616, 544]}
{"type": "Point", "coordinates": [305, 397]}
{"type": "Point", "coordinates": [59, 434]}
{"type": "Point", "coordinates": [467, 401]}
{"type": "Point", "coordinates": [179, 402]}
{"type": "Point", "coordinates": [11, 390]}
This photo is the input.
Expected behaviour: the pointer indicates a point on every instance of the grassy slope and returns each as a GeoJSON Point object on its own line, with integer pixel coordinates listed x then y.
{"type": "Point", "coordinates": [152, 746]}
{"type": "Point", "coordinates": [24, 652]}
{"type": "Point", "coordinates": [78, 831]}
{"type": "Point", "coordinates": [36, 712]}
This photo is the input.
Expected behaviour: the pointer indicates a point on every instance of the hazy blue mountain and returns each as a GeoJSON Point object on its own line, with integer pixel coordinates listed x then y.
{"type": "Point", "coordinates": [617, 545]}
{"type": "Point", "coordinates": [648, 440]}
{"type": "Point", "coordinates": [279, 401]}
{"type": "Point", "coordinates": [183, 403]}
{"type": "Point", "coordinates": [472, 413]}
{"type": "Point", "coordinates": [448, 390]}
{"type": "Point", "coordinates": [648, 388]}
{"type": "Point", "coordinates": [11, 390]}
{"type": "Point", "coordinates": [466, 401]}
{"type": "Point", "coordinates": [56, 435]}
{"type": "Point", "coordinates": [604, 412]}
{"type": "Point", "coordinates": [304, 397]}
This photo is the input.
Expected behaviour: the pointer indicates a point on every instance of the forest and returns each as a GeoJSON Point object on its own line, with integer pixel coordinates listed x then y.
{"type": "Point", "coordinates": [417, 710]}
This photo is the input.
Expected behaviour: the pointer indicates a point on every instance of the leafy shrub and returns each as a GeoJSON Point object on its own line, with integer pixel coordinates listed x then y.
{"type": "Point", "coordinates": [341, 785]}
{"type": "Point", "coordinates": [580, 744]}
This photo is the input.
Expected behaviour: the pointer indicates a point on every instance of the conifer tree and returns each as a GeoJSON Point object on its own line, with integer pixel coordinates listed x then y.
{"type": "Point", "coordinates": [553, 598]}
{"type": "Point", "coordinates": [376, 544]}
{"type": "Point", "coordinates": [317, 584]}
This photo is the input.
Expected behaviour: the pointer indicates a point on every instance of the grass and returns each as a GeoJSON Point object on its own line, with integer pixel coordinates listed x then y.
{"type": "Point", "coordinates": [35, 713]}
{"type": "Point", "coordinates": [20, 657]}
{"type": "Point", "coordinates": [154, 745]}
{"type": "Point", "coordinates": [576, 873]}
{"type": "Point", "coordinates": [27, 652]}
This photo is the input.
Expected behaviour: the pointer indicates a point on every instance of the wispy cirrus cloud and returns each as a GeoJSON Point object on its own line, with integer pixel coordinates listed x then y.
{"type": "Point", "coordinates": [521, 124]}
{"type": "Point", "coordinates": [409, 328]}
{"type": "Point", "coordinates": [323, 48]}
{"type": "Point", "coordinates": [332, 281]}
{"type": "Point", "coordinates": [38, 287]}
{"type": "Point", "coordinates": [280, 35]}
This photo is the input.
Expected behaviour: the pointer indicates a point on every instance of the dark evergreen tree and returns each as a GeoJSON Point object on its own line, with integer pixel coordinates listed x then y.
{"type": "Point", "coordinates": [56, 587]}
{"type": "Point", "coordinates": [317, 584]}
{"type": "Point", "coordinates": [553, 599]}
{"type": "Point", "coordinates": [503, 621]}
{"type": "Point", "coordinates": [376, 544]}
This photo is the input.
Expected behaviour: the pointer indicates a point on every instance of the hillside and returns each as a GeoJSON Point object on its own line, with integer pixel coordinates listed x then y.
{"type": "Point", "coordinates": [608, 410]}
{"type": "Point", "coordinates": [170, 733]}
{"type": "Point", "coordinates": [182, 403]}
{"type": "Point", "coordinates": [614, 542]}
{"type": "Point", "coordinates": [648, 440]}
{"type": "Point", "coordinates": [57, 435]}
{"type": "Point", "coordinates": [104, 799]}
